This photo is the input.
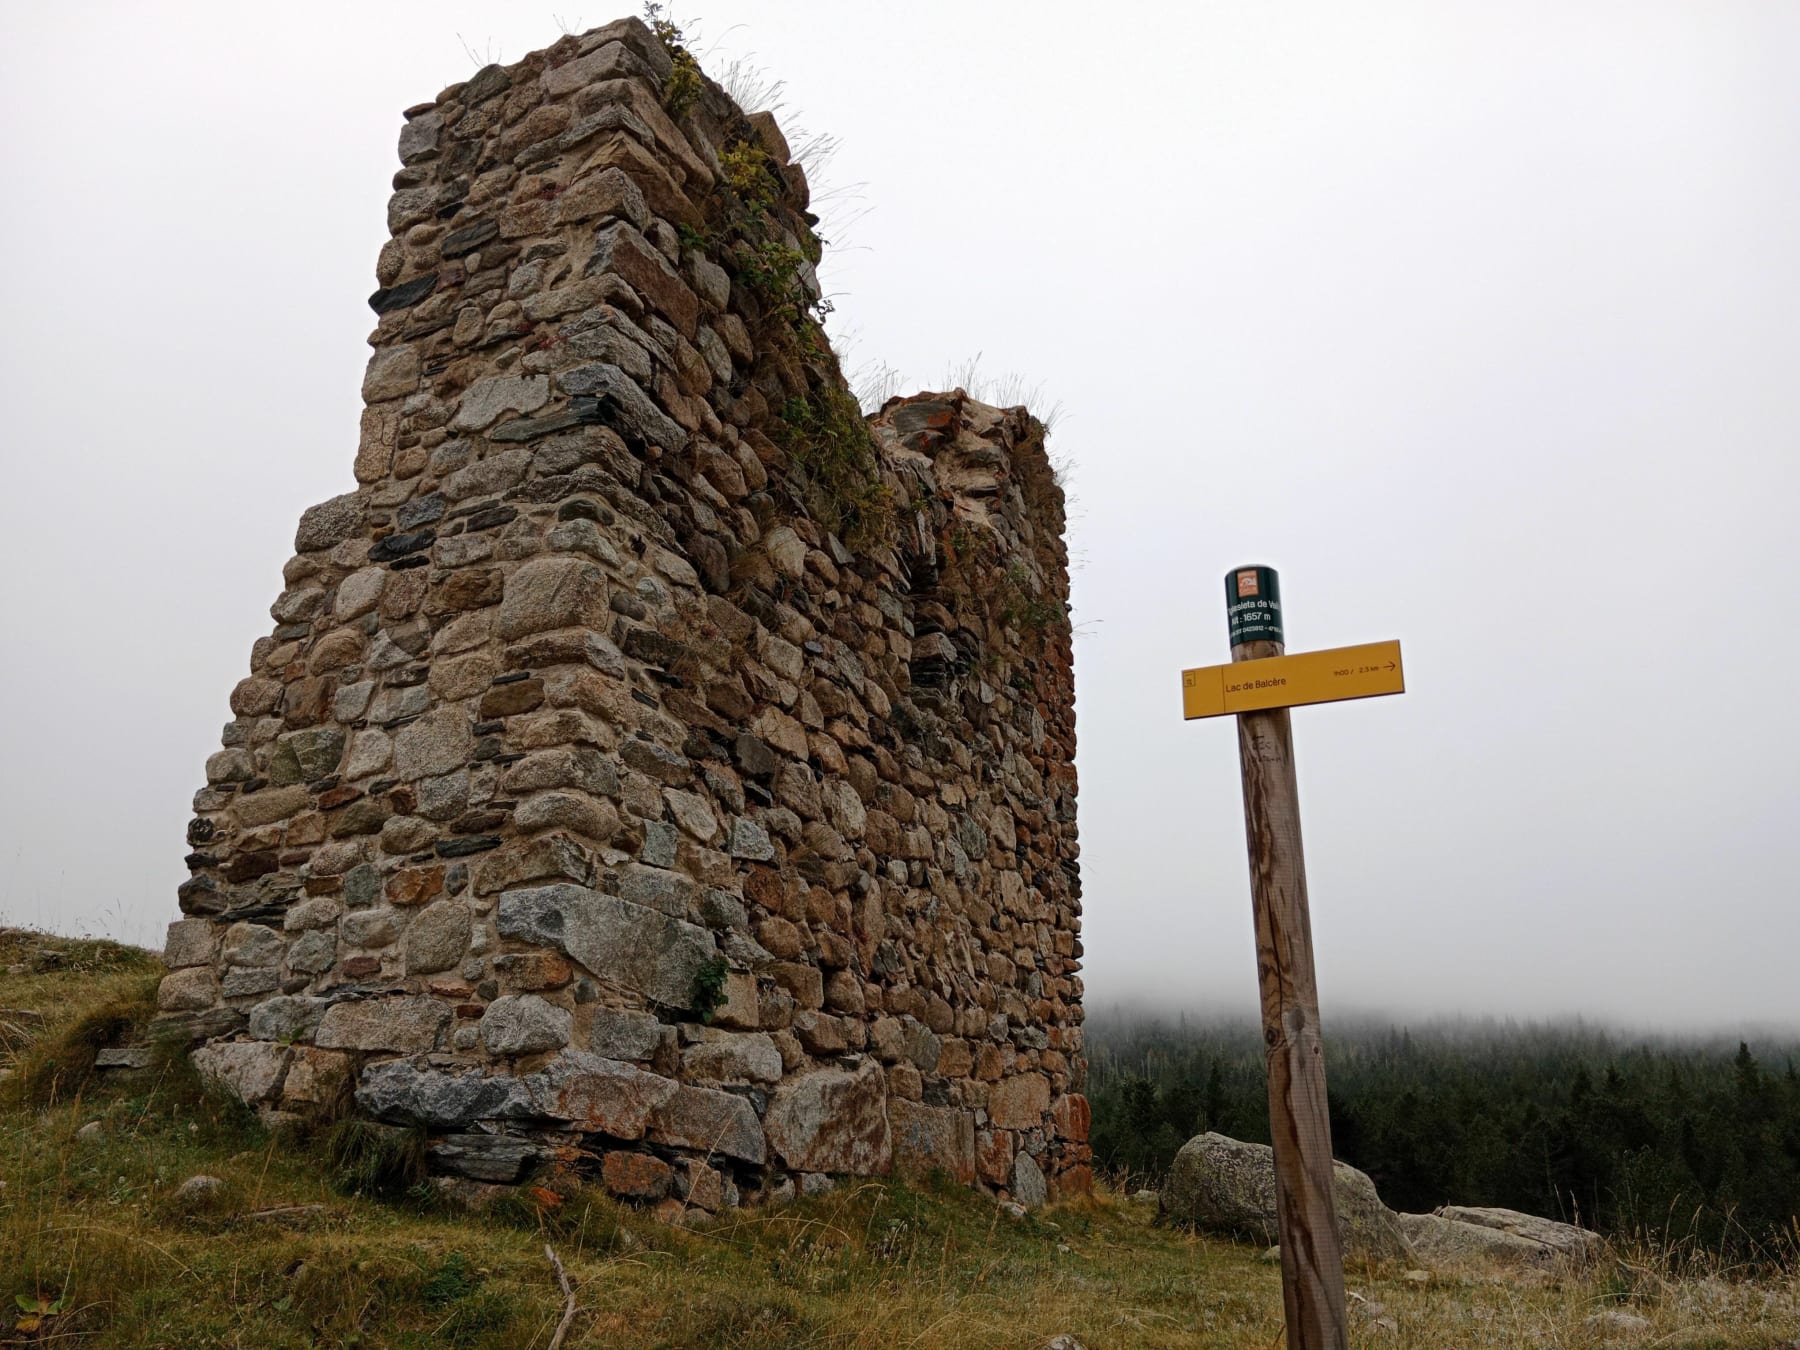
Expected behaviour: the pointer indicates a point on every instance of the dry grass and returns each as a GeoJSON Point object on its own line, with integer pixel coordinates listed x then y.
{"type": "Point", "coordinates": [95, 1222]}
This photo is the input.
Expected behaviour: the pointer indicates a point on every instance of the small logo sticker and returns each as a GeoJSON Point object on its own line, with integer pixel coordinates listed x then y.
{"type": "Point", "coordinates": [1246, 583]}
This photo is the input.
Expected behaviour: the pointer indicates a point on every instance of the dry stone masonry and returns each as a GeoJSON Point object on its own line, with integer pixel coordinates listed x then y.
{"type": "Point", "coordinates": [656, 770]}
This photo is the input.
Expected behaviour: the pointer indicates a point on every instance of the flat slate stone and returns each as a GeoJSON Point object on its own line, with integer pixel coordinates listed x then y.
{"type": "Point", "coordinates": [124, 1057]}
{"type": "Point", "coordinates": [578, 412]}
{"type": "Point", "coordinates": [399, 1091]}
{"type": "Point", "coordinates": [403, 296]}
{"type": "Point", "coordinates": [468, 238]}
{"type": "Point", "coordinates": [499, 1158]}
{"type": "Point", "coordinates": [421, 511]}
{"type": "Point", "coordinates": [399, 545]}
{"type": "Point", "coordinates": [635, 413]}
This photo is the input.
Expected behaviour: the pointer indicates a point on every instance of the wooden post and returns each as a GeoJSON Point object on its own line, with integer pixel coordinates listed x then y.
{"type": "Point", "coordinates": [1312, 1259]}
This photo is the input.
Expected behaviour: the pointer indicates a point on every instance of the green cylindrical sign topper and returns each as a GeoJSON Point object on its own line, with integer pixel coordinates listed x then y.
{"type": "Point", "coordinates": [1253, 604]}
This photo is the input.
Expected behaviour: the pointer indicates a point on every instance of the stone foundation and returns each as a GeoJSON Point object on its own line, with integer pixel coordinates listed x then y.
{"type": "Point", "coordinates": [655, 769]}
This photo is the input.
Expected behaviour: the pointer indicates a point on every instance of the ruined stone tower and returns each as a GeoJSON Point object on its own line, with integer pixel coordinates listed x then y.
{"type": "Point", "coordinates": [655, 768]}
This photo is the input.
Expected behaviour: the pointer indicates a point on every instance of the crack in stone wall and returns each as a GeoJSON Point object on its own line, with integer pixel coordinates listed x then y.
{"type": "Point", "coordinates": [644, 777]}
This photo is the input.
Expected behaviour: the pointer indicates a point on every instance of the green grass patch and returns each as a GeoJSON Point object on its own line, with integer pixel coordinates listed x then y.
{"type": "Point", "coordinates": [95, 1239]}
{"type": "Point", "coordinates": [836, 469]}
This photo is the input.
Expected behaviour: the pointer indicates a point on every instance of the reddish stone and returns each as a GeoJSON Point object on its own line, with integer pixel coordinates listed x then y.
{"type": "Point", "coordinates": [534, 970]}
{"type": "Point", "coordinates": [764, 887]}
{"type": "Point", "coordinates": [606, 1097]}
{"type": "Point", "coordinates": [356, 967]}
{"type": "Point", "coordinates": [1072, 1116]}
{"type": "Point", "coordinates": [636, 1176]}
{"type": "Point", "coordinates": [415, 885]}
{"type": "Point", "coordinates": [623, 250]}
{"type": "Point", "coordinates": [844, 992]}
{"type": "Point", "coordinates": [903, 1080]}
{"type": "Point", "coordinates": [302, 830]}
{"type": "Point", "coordinates": [939, 1015]}
{"type": "Point", "coordinates": [955, 1060]}
{"type": "Point", "coordinates": [317, 1079]}
{"type": "Point", "coordinates": [994, 1155]}
{"type": "Point", "coordinates": [780, 938]}
{"type": "Point", "coordinates": [989, 1064]}
{"type": "Point", "coordinates": [819, 1033]}
{"type": "Point", "coordinates": [646, 170]}
{"type": "Point", "coordinates": [1077, 1180]}
{"type": "Point", "coordinates": [900, 1002]}
{"type": "Point", "coordinates": [338, 796]}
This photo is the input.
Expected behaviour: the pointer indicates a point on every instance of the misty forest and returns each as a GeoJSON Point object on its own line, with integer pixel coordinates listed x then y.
{"type": "Point", "coordinates": [1692, 1143]}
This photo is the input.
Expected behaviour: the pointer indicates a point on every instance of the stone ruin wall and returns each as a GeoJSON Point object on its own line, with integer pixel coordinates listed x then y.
{"type": "Point", "coordinates": [653, 770]}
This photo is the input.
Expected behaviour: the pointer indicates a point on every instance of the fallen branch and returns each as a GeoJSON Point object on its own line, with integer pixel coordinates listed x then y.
{"type": "Point", "coordinates": [562, 1278]}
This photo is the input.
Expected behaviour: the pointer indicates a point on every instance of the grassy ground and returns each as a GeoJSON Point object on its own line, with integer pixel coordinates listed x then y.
{"type": "Point", "coordinates": [91, 1223]}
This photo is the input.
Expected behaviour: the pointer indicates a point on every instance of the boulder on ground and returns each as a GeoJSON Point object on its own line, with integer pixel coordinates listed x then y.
{"type": "Point", "coordinates": [1222, 1185]}
{"type": "Point", "coordinates": [1459, 1235]}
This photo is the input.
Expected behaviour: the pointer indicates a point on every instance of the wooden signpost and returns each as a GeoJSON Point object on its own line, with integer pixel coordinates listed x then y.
{"type": "Point", "coordinates": [1259, 687]}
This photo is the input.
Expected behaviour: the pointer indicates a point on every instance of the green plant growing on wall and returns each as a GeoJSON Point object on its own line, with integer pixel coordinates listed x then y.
{"type": "Point", "coordinates": [769, 248]}
{"type": "Point", "coordinates": [772, 270]}
{"type": "Point", "coordinates": [833, 454]}
{"type": "Point", "coordinates": [759, 253]}
{"type": "Point", "coordinates": [748, 174]}
{"type": "Point", "coordinates": [708, 994]}
{"type": "Point", "coordinates": [683, 85]}
{"type": "Point", "coordinates": [981, 584]}
{"type": "Point", "coordinates": [697, 238]}
{"type": "Point", "coordinates": [1021, 606]}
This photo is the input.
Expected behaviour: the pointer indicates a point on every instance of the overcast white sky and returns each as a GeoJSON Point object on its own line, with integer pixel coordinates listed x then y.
{"type": "Point", "coordinates": [1478, 321]}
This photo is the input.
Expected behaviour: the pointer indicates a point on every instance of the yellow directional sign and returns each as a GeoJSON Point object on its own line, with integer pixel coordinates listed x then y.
{"type": "Point", "coordinates": [1367, 671]}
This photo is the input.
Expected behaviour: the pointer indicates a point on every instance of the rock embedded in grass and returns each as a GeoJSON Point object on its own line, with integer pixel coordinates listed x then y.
{"type": "Point", "coordinates": [199, 1188]}
{"type": "Point", "coordinates": [1457, 1235]}
{"type": "Point", "coordinates": [1223, 1185]}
